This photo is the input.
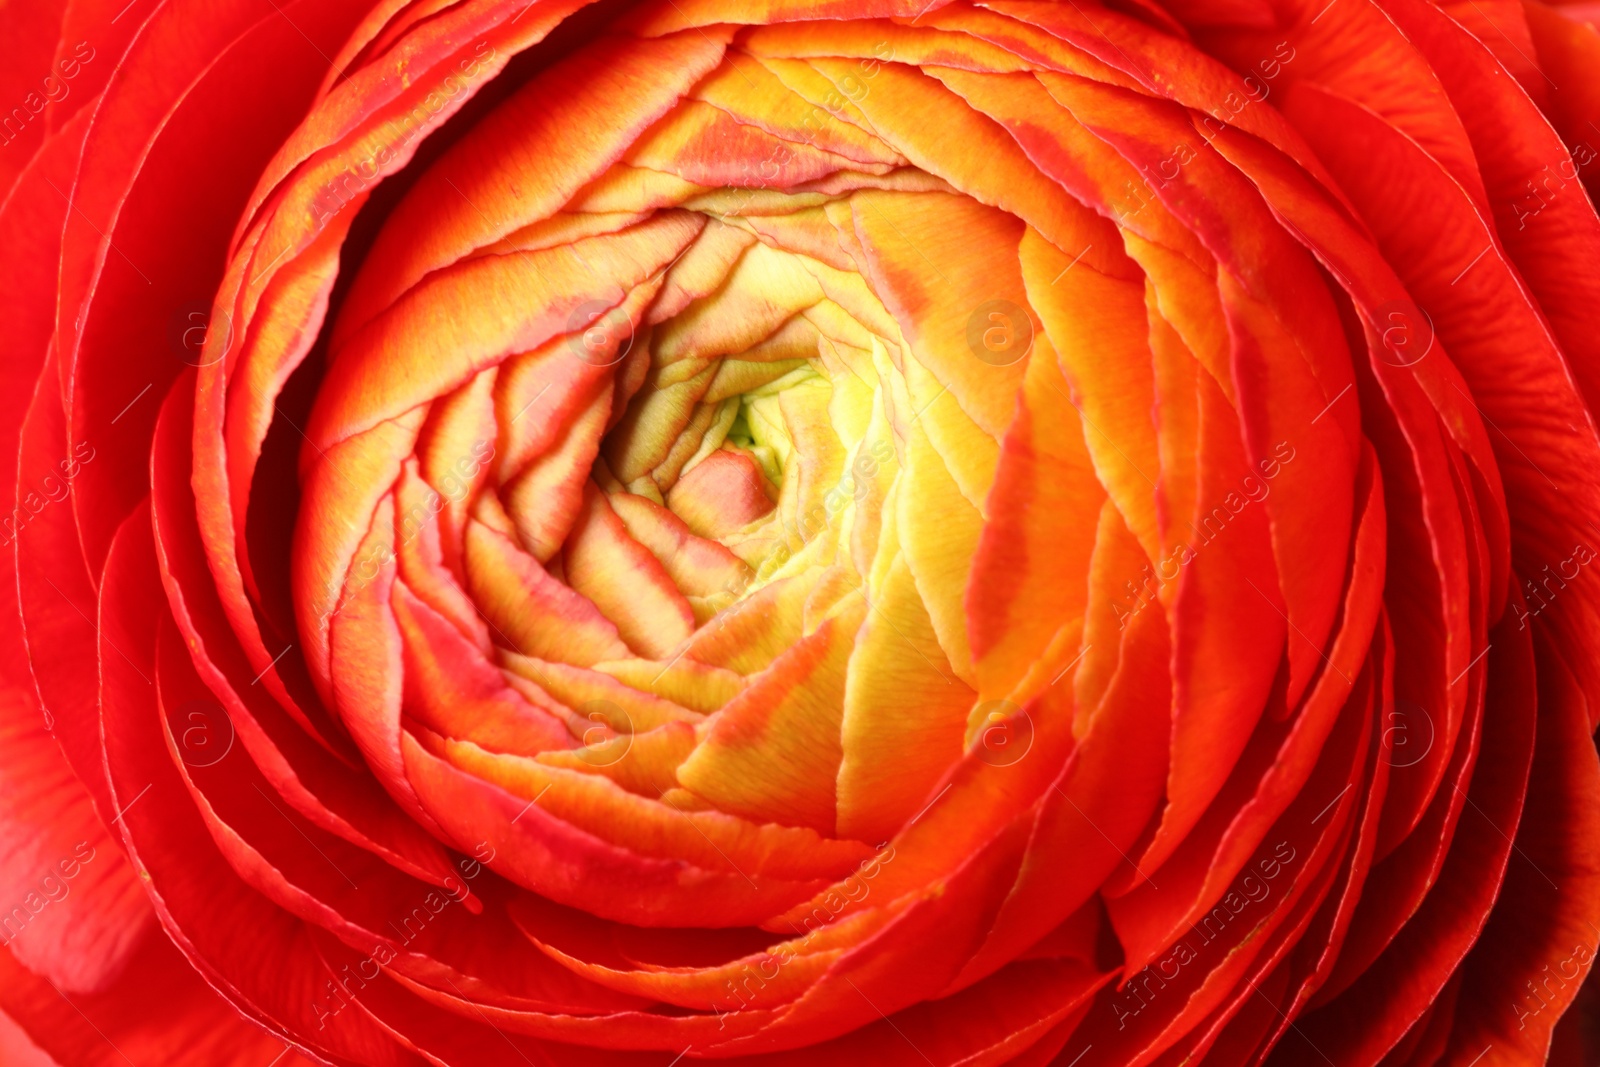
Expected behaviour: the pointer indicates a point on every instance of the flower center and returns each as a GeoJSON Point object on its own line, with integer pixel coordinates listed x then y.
{"type": "Point", "coordinates": [714, 556]}
{"type": "Point", "coordinates": [752, 410]}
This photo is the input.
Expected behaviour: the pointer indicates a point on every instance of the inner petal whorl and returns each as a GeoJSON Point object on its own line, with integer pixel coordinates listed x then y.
{"type": "Point", "coordinates": [673, 494]}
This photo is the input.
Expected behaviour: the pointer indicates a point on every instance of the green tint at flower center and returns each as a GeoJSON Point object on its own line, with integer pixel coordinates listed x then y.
{"type": "Point", "coordinates": [760, 422]}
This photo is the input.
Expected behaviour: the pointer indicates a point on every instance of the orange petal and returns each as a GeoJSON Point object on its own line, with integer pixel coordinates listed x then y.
{"type": "Point", "coordinates": [773, 753]}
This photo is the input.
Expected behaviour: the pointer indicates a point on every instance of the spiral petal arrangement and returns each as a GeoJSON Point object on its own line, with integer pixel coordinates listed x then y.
{"type": "Point", "coordinates": [795, 532]}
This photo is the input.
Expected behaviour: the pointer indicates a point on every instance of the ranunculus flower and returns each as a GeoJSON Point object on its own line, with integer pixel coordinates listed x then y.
{"type": "Point", "coordinates": [849, 532]}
